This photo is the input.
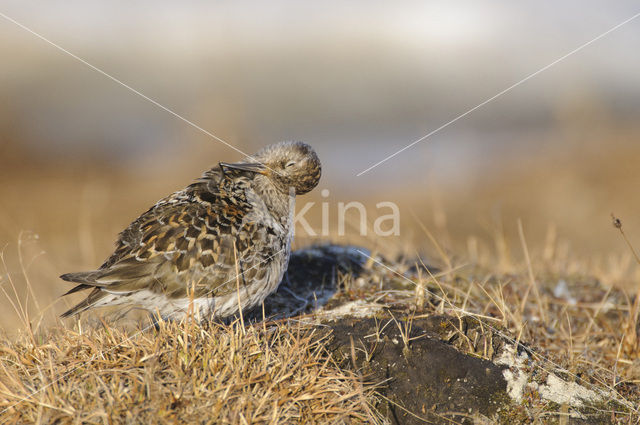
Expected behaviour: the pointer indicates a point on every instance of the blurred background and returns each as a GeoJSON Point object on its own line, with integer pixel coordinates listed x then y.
{"type": "Point", "coordinates": [81, 156]}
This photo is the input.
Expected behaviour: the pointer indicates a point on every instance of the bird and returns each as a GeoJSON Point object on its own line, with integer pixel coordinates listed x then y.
{"type": "Point", "coordinates": [216, 247]}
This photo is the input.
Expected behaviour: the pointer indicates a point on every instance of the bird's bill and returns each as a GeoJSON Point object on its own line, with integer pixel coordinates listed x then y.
{"type": "Point", "coordinates": [254, 167]}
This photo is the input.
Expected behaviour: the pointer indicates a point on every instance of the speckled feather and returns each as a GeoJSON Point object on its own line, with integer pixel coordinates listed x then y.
{"type": "Point", "coordinates": [185, 249]}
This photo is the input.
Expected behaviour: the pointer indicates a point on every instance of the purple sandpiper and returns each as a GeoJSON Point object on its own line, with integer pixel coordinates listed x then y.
{"type": "Point", "coordinates": [220, 245]}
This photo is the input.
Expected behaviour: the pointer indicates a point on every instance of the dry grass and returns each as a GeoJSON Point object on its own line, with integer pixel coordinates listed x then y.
{"type": "Point", "coordinates": [579, 313]}
{"type": "Point", "coordinates": [582, 329]}
{"type": "Point", "coordinates": [575, 323]}
{"type": "Point", "coordinates": [275, 373]}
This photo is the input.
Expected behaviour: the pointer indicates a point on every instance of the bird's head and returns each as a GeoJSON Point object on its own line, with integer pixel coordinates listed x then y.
{"type": "Point", "coordinates": [286, 164]}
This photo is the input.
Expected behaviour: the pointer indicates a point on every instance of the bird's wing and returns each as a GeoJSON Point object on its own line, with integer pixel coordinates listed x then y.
{"type": "Point", "coordinates": [191, 245]}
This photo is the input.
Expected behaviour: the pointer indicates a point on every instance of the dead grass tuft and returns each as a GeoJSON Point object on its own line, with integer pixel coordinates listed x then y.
{"type": "Point", "coordinates": [275, 373]}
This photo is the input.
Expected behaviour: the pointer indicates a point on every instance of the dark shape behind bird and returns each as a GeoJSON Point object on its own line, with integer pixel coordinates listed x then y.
{"type": "Point", "coordinates": [232, 228]}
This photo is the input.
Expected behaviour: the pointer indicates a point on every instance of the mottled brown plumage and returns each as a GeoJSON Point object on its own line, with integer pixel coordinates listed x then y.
{"type": "Point", "coordinates": [185, 250]}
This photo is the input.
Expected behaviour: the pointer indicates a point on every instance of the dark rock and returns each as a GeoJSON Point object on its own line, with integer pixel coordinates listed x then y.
{"type": "Point", "coordinates": [427, 367]}
{"type": "Point", "coordinates": [311, 279]}
{"type": "Point", "coordinates": [426, 380]}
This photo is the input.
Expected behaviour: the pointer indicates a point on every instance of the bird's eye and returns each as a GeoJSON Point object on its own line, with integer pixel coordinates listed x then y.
{"type": "Point", "coordinates": [290, 164]}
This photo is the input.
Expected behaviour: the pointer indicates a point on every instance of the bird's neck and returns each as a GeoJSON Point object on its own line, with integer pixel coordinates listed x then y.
{"type": "Point", "coordinates": [280, 205]}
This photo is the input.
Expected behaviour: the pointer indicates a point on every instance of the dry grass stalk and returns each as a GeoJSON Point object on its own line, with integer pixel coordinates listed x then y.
{"type": "Point", "coordinates": [631, 329]}
{"type": "Point", "coordinates": [215, 374]}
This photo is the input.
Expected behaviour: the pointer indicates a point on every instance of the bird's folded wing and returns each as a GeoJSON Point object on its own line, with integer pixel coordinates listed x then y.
{"type": "Point", "coordinates": [176, 250]}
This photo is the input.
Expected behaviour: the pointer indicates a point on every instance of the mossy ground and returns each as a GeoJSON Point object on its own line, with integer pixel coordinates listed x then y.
{"type": "Point", "coordinates": [285, 369]}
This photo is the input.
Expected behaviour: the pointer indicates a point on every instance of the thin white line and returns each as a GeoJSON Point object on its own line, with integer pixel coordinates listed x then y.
{"type": "Point", "coordinates": [161, 107]}
{"type": "Point", "coordinates": [112, 78]}
{"type": "Point", "coordinates": [128, 339]}
{"type": "Point", "coordinates": [576, 50]}
{"type": "Point", "coordinates": [507, 337]}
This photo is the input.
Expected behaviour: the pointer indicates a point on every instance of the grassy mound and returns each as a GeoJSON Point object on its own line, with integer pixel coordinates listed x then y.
{"type": "Point", "coordinates": [178, 372]}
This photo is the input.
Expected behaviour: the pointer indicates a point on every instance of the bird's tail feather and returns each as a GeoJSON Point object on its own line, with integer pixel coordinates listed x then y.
{"type": "Point", "coordinates": [95, 296]}
{"type": "Point", "coordinates": [77, 288]}
{"type": "Point", "coordinates": [125, 277]}
{"type": "Point", "coordinates": [86, 280]}
{"type": "Point", "coordinates": [82, 277]}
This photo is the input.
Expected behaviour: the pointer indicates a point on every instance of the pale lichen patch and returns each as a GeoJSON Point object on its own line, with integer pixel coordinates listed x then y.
{"type": "Point", "coordinates": [564, 392]}
{"type": "Point", "coordinates": [514, 373]}
{"type": "Point", "coordinates": [554, 389]}
{"type": "Point", "coordinates": [358, 308]}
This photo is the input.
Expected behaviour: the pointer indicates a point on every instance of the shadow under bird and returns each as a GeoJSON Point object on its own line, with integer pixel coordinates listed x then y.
{"type": "Point", "coordinates": [220, 245]}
